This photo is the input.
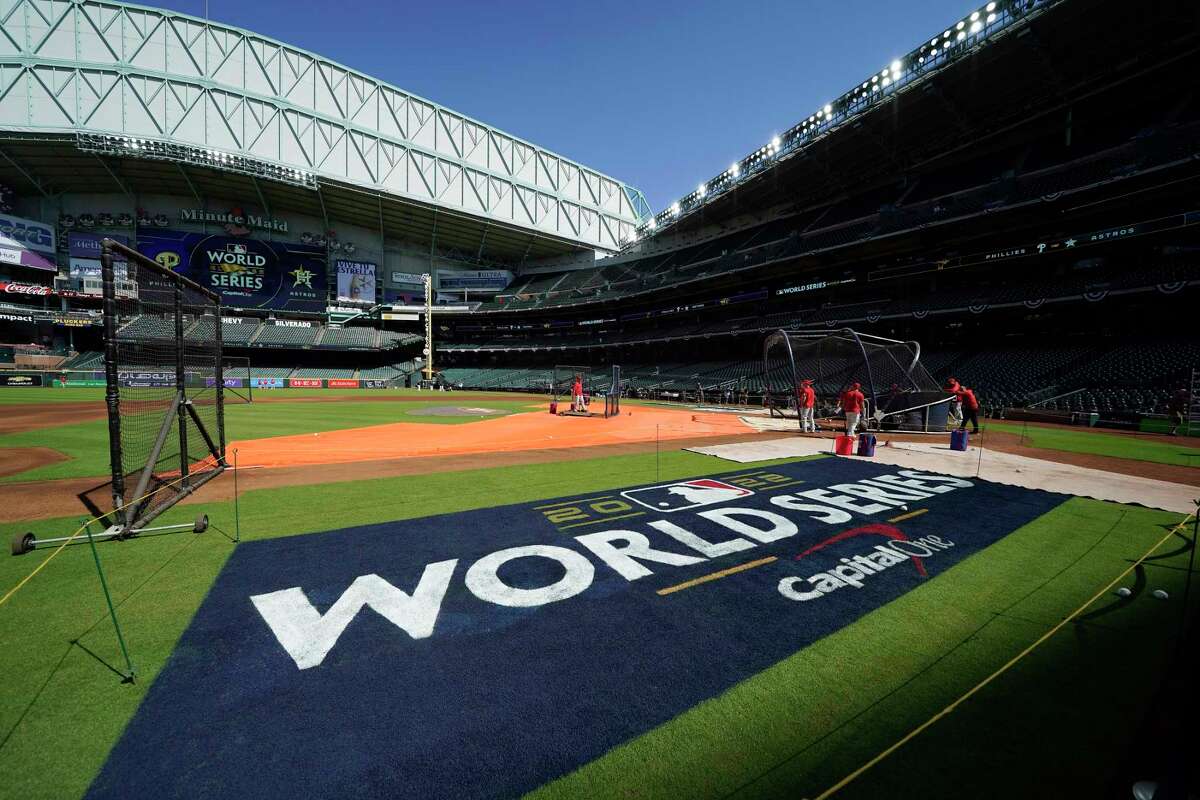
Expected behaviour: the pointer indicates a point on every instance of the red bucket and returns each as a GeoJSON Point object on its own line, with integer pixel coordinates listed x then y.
{"type": "Point", "coordinates": [844, 445]}
{"type": "Point", "coordinates": [553, 406]}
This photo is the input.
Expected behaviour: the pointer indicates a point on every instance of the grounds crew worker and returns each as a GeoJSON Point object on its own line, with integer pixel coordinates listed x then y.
{"type": "Point", "coordinates": [1177, 408]}
{"type": "Point", "coordinates": [806, 401]}
{"type": "Point", "coordinates": [852, 404]}
{"type": "Point", "coordinates": [970, 407]}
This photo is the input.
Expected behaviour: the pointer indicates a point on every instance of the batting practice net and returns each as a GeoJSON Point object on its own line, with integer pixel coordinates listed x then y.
{"type": "Point", "coordinates": [164, 377]}
{"type": "Point", "coordinates": [900, 392]}
{"type": "Point", "coordinates": [564, 378]}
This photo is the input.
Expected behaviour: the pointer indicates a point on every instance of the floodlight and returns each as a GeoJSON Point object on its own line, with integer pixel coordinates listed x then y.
{"type": "Point", "coordinates": [896, 65]}
{"type": "Point", "coordinates": [775, 143]}
{"type": "Point", "coordinates": [975, 27]}
{"type": "Point", "coordinates": [828, 109]}
{"type": "Point", "coordinates": [991, 6]}
{"type": "Point", "coordinates": [974, 16]}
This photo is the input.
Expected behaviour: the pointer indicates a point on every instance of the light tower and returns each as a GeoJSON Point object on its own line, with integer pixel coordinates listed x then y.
{"type": "Point", "coordinates": [427, 280]}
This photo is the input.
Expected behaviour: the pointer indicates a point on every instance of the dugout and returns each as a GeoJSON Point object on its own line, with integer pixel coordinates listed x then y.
{"type": "Point", "coordinates": [901, 394]}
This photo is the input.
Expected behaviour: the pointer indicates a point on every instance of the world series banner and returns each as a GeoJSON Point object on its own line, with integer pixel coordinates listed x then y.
{"type": "Point", "coordinates": [355, 281]}
{"type": "Point", "coordinates": [246, 273]}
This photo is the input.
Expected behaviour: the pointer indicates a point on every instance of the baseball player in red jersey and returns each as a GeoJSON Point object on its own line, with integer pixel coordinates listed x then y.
{"type": "Point", "coordinates": [806, 402]}
{"type": "Point", "coordinates": [970, 408]}
{"type": "Point", "coordinates": [853, 402]}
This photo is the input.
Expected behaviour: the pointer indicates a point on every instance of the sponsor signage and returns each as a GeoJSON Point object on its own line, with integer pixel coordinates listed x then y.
{"type": "Point", "coordinates": [7, 317]}
{"type": "Point", "coordinates": [481, 279]}
{"type": "Point", "coordinates": [32, 289]}
{"type": "Point", "coordinates": [146, 379]}
{"type": "Point", "coordinates": [20, 380]}
{"type": "Point", "coordinates": [342, 383]}
{"type": "Point", "coordinates": [355, 281]}
{"type": "Point", "coordinates": [408, 278]}
{"type": "Point", "coordinates": [373, 383]}
{"type": "Point", "coordinates": [247, 273]}
{"type": "Point", "coordinates": [393, 316]}
{"type": "Point", "coordinates": [267, 383]}
{"type": "Point", "coordinates": [293, 323]}
{"type": "Point", "coordinates": [72, 321]}
{"type": "Point", "coordinates": [305, 383]}
{"type": "Point", "coordinates": [27, 234]}
{"type": "Point", "coordinates": [84, 250]}
{"type": "Point", "coordinates": [228, 383]}
{"type": "Point", "coordinates": [234, 221]}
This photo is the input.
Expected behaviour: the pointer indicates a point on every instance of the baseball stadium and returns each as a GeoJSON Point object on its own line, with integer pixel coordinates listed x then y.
{"type": "Point", "coordinates": [353, 447]}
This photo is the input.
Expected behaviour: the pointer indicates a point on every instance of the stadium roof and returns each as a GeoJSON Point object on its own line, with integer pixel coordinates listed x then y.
{"type": "Point", "coordinates": [104, 94]}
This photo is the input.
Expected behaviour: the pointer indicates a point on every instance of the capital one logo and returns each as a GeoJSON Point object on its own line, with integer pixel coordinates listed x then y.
{"type": "Point", "coordinates": [685, 495]}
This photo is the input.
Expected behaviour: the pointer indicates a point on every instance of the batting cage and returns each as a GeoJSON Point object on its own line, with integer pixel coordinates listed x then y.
{"type": "Point", "coordinates": [900, 393]}
{"type": "Point", "coordinates": [165, 378]}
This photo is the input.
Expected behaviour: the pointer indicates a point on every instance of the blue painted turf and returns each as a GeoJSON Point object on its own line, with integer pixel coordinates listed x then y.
{"type": "Point", "coordinates": [498, 701]}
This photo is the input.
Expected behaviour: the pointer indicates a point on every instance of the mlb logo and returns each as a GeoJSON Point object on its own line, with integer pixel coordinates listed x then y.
{"type": "Point", "coordinates": [237, 249]}
{"type": "Point", "coordinates": [685, 495]}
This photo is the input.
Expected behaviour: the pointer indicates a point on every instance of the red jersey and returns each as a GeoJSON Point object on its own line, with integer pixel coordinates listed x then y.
{"type": "Point", "coordinates": [807, 397]}
{"type": "Point", "coordinates": [852, 401]}
{"type": "Point", "coordinates": [577, 389]}
{"type": "Point", "coordinates": [967, 398]}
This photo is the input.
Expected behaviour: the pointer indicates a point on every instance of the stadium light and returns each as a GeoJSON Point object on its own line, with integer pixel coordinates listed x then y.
{"type": "Point", "coordinates": [921, 61]}
{"type": "Point", "coordinates": [131, 146]}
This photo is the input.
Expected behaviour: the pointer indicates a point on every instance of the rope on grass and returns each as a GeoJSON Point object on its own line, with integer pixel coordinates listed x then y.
{"type": "Point", "coordinates": [1004, 668]}
{"type": "Point", "coordinates": [82, 528]}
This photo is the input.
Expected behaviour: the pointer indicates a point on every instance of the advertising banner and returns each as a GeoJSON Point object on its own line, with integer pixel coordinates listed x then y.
{"type": "Point", "coordinates": [20, 380]}
{"type": "Point", "coordinates": [342, 383]}
{"type": "Point", "coordinates": [373, 383]}
{"type": "Point", "coordinates": [27, 243]}
{"type": "Point", "coordinates": [84, 249]}
{"type": "Point", "coordinates": [230, 383]}
{"type": "Point", "coordinates": [266, 383]}
{"type": "Point", "coordinates": [246, 273]}
{"type": "Point", "coordinates": [479, 279]}
{"type": "Point", "coordinates": [32, 289]}
{"type": "Point", "coordinates": [408, 279]}
{"type": "Point", "coordinates": [146, 379]}
{"type": "Point", "coordinates": [5, 316]}
{"type": "Point", "coordinates": [355, 281]}
{"type": "Point", "coordinates": [305, 383]}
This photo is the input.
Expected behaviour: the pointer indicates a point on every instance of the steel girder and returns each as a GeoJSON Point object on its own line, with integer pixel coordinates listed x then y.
{"type": "Point", "coordinates": [117, 69]}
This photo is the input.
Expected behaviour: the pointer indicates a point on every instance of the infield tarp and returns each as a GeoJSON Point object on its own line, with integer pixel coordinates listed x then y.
{"type": "Point", "coordinates": [484, 653]}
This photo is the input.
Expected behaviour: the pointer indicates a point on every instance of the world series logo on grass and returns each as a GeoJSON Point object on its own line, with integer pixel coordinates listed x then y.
{"type": "Point", "coordinates": [685, 495]}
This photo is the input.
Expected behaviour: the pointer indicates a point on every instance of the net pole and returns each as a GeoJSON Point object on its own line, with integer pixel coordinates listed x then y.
{"type": "Point", "coordinates": [180, 381]}
{"type": "Point", "coordinates": [112, 391]}
{"type": "Point", "coordinates": [112, 611]}
{"type": "Point", "coordinates": [220, 368]}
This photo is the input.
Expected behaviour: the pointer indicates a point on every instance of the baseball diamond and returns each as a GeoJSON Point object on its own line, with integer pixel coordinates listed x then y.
{"type": "Point", "coordinates": [800, 403]}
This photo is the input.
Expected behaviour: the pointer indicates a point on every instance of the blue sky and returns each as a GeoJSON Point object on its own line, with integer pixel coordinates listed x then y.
{"type": "Point", "coordinates": [662, 95]}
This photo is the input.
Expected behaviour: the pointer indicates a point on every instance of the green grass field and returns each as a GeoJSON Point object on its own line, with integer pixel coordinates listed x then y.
{"type": "Point", "coordinates": [1113, 445]}
{"type": "Point", "coordinates": [1064, 715]}
{"type": "Point", "coordinates": [86, 443]}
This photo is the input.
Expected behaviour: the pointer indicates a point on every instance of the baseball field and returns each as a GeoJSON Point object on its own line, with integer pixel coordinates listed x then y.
{"type": "Point", "coordinates": [460, 595]}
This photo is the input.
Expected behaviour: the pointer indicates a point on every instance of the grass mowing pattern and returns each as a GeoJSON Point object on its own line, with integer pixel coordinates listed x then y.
{"type": "Point", "coordinates": [1112, 445]}
{"type": "Point", "coordinates": [805, 722]}
{"type": "Point", "coordinates": [1053, 726]}
{"type": "Point", "coordinates": [86, 443]}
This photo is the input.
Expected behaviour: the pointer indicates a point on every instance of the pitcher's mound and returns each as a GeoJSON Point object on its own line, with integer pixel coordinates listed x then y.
{"type": "Point", "coordinates": [454, 411]}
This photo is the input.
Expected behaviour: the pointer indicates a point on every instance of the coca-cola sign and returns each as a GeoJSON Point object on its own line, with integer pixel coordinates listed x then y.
{"type": "Point", "coordinates": [25, 288]}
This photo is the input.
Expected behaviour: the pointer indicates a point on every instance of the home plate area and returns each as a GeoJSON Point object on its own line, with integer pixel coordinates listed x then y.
{"type": "Point", "coordinates": [486, 653]}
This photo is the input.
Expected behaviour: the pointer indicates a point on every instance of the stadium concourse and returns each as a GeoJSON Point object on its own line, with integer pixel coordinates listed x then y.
{"type": "Point", "coordinates": [301, 503]}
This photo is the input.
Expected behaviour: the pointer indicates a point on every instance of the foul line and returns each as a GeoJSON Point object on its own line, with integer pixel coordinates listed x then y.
{"type": "Point", "coordinates": [1008, 665]}
{"type": "Point", "coordinates": [712, 576]}
{"type": "Point", "coordinates": [909, 515]}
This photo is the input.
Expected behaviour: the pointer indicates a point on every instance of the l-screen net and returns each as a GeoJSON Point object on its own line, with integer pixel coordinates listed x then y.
{"type": "Point", "coordinates": [164, 373]}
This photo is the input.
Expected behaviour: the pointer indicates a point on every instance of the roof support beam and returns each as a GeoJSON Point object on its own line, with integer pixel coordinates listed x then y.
{"type": "Point", "coordinates": [112, 174]}
{"type": "Point", "coordinates": [25, 174]}
{"type": "Point", "coordinates": [188, 180]}
{"type": "Point", "coordinates": [261, 198]}
{"type": "Point", "coordinates": [482, 242]}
